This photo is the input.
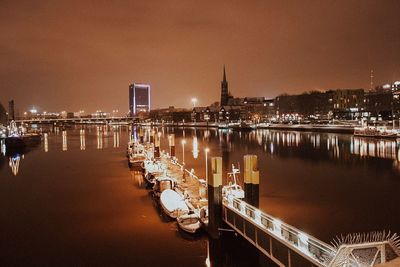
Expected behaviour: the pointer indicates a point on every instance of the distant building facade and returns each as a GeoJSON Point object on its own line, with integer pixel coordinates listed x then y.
{"type": "Point", "coordinates": [170, 114]}
{"type": "Point", "coordinates": [3, 115]}
{"type": "Point", "coordinates": [139, 98]}
{"type": "Point", "coordinates": [348, 103]}
{"type": "Point", "coordinates": [379, 103]}
{"type": "Point", "coordinates": [311, 105]}
{"type": "Point", "coordinates": [216, 114]}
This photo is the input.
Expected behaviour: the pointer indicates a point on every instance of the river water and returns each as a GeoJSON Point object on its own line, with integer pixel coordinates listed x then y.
{"type": "Point", "coordinates": [72, 201]}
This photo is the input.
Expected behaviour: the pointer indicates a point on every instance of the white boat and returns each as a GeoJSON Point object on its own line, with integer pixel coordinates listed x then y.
{"type": "Point", "coordinates": [233, 189]}
{"type": "Point", "coordinates": [376, 132]}
{"type": "Point", "coordinates": [223, 126]}
{"type": "Point", "coordinates": [189, 223]}
{"type": "Point", "coordinates": [129, 149]}
{"type": "Point", "coordinates": [163, 183]}
{"type": "Point", "coordinates": [173, 204]}
{"type": "Point", "coordinates": [241, 126]}
{"type": "Point", "coordinates": [152, 169]}
{"type": "Point", "coordinates": [137, 155]}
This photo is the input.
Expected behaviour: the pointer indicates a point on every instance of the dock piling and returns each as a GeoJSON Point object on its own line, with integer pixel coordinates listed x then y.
{"type": "Point", "coordinates": [251, 180]}
{"type": "Point", "coordinates": [141, 136]}
{"type": "Point", "coordinates": [156, 146]}
{"type": "Point", "coordinates": [171, 141]}
{"type": "Point", "coordinates": [152, 132]}
{"type": "Point", "coordinates": [215, 197]}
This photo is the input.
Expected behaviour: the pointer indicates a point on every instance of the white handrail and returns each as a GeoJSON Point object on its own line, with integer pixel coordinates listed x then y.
{"type": "Point", "coordinates": [309, 245]}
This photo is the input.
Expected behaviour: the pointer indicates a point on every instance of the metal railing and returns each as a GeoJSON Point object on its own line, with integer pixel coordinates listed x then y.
{"type": "Point", "coordinates": [310, 247]}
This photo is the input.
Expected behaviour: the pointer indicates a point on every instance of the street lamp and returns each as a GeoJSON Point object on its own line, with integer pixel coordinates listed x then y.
{"type": "Point", "coordinates": [194, 101]}
{"type": "Point", "coordinates": [183, 151]}
{"type": "Point", "coordinates": [207, 150]}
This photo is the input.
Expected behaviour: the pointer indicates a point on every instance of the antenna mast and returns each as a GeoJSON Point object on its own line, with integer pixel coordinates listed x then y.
{"type": "Point", "coordinates": [372, 80]}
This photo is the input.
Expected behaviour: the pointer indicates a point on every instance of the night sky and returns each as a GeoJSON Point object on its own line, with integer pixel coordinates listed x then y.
{"type": "Point", "coordinates": [72, 55]}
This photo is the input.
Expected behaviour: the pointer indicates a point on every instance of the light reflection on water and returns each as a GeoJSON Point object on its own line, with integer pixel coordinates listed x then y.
{"type": "Point", "coordinates": [306, 177]}
{"type": "Point", "coordinates": [336, 146]}
{"type": "Point", "coordinates": [82, 139]}
{"type": "Point", "coordinates": [15, 157]}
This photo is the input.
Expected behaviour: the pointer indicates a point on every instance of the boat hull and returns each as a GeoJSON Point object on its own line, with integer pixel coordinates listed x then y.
{"type": "Point", "coordinates": [173, 204]}
{"type": "Point", "coordinates": [14, 142]}
{"type": "Point", "coordinates": [392, 136]}
{"type": "Point", "coordinates": [189, 223]}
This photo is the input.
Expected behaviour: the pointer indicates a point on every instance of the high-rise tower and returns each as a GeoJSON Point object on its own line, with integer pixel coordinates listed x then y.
{"type": "Point", "coordinates": [139, 98]}
{"type": "Point", "coordinates": [224, 91]}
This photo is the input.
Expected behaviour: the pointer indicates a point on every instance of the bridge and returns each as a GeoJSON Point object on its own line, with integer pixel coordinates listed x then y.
{"type": "Point", "coordinates": [82, 120]}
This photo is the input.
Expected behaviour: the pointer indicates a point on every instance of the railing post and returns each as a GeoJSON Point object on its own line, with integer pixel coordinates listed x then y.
{"type": "Point", "coordinates": [215, 197]}
{"type": "Point", "coordinates": [251, 180]}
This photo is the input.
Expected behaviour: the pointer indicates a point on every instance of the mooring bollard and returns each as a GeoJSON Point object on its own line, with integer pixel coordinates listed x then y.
{"type": "Point", "coordinates": [141, 136]}
{"type": "Point", "coordinates": [171, 142]}
{"type": "Point", "coordinates": [152, 132]}
{"type": "Point", "coordinates": [156, 146]}
{"type": "Point", "coordinates": [251, 180]}
{"type": "Point", "coordinates": [215, 197]}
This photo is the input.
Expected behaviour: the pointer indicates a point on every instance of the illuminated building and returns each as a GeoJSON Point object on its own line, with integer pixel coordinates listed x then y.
{"type": "Point", "coordinates": [3, 115]}
{"type": "Point", "coordinates": [170, 114]}
{"type": "Point", "coordinates": [348, 103]}
{"type": "Point", "coordinates": [139, 98]}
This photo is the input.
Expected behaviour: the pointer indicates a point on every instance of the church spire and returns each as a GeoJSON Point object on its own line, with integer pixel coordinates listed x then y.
{"type": "Point", "coordinates": [224, 90]}
{"type": "Point", "coordinates": [224, 74]}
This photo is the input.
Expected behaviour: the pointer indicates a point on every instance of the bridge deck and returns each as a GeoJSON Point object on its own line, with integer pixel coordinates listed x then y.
{"type": "Point", "coordinates": [284, 244]}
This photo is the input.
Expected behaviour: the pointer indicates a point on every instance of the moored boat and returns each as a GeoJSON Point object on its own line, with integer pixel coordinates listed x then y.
{"type": "Point", "coordinates": [137, 156]}
{"type": "Point", "coordinates": [233, 189]}
{"type": "Point", "coordinates": [241, 126]}
{"type": "Point", "coordinates": [376, 132]}
{"type": "Point", "coordinates": [152, 169]}
{"type": "Point", "coordinates": [173, 204]}
{"type": "Point", "coordinates": [223, 126]}
{"type": "Point", "coordinates": [203, 215]}
{"type": "Point", "coordinates": [14, 142]}
{"type": "Point", "coordinates": [31, 138]}
{"type": "Point", "coordinates": [14, 138]}
{"type": "Point", "coordinates": [163, 183]}
{"type": "Point", "coordinates": [189, 223]}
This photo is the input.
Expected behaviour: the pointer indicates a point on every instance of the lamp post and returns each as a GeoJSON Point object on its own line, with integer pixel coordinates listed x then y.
{"type": "Point", "coordinates": [183, 151]}
{"type": "Point", "coordinates": [206, 150]}
{"type": "Point", "coordinates": [194, 101]}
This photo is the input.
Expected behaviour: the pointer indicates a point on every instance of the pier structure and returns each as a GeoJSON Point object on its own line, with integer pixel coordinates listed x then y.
{"type": "Point", "coordinates": [284, 244]}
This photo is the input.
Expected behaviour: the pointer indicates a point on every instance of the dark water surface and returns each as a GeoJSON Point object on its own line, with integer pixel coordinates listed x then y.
{"type": "Point", "coordinates": [72, 201]}
{"type": "Point", "coordinates": [324, 184]}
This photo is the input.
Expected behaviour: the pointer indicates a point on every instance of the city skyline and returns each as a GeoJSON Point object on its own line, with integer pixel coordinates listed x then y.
{"type": "Point", "coordinates": [54, 62]}
{"type": "Point", "coordinates": [200, 133]}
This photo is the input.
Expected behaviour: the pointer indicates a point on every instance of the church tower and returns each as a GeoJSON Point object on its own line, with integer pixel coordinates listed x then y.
{"type": "Point", "coordinates": [224, 91]}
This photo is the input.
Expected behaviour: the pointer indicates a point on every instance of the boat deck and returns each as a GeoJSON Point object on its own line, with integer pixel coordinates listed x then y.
{"type": "Point", "coordinates": [187, 183]}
